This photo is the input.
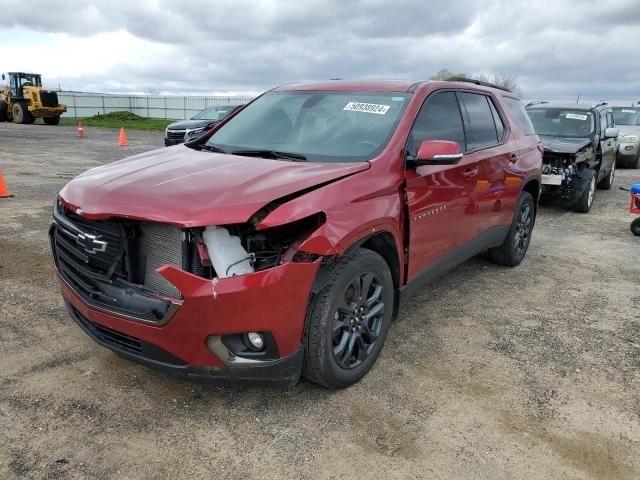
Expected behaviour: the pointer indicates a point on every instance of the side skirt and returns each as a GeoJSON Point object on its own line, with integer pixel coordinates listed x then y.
{"type": "Point", "coordinates": [493, 237]}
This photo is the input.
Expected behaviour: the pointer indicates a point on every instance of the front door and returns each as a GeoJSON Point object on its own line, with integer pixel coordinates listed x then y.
{"type": "Point", "coordinates": [608, 145]}
{"type": "Point", "coordinates": [440, 198]}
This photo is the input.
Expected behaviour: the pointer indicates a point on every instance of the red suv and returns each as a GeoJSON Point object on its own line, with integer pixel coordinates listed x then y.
{"type": "Point", "coordinates": [281, 243]}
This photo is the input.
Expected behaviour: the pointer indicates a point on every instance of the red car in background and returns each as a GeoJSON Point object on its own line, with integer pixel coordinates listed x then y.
{"type": "Point", "coordinates": [282, 242]}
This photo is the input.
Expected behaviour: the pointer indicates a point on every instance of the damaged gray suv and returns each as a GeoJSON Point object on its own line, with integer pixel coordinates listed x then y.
{"type": "Point", "coordinates": [580, 144]}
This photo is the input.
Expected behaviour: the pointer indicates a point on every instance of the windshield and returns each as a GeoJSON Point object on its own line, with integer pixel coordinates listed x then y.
{"type": "Point", "coordinates": [29, 79]}
{"type": "Point", "coordinates": [626, 116]}
{"type": "Point", "coordinates": [322, 126]}
{"type": "Point", "coordinates": [214, 113]}
{"type": "Point", "coordinates": [560, 122]}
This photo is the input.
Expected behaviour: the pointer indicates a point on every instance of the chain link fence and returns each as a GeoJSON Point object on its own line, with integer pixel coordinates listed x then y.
{"type": "Point", "coordinates": [82, 105]}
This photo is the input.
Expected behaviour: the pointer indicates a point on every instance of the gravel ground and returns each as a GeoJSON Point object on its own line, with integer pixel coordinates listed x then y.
{"type": "Point", "coordinates": [490, 372]}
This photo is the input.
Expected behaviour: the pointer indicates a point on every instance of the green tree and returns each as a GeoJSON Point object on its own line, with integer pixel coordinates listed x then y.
{"type": "Point", "coordinates": [445, 74]}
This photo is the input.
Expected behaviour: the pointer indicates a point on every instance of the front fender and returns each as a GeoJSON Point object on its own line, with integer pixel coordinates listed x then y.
{"type": "Point", "coordinates": [352, 212]}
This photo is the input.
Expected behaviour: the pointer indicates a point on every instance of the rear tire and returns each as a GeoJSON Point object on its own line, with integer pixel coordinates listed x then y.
{"type": "Point", "coordinates": [635, 227]}
{"type": "Point", "coordinates": [584, 203]}
{"type": "Point", "coordinates": [52, 120]}
{"type": "Point", "coordinates": [4, 112]}
{"type": "Point", "coordinates": [348, 320]}
{"type": "Point", "coordinates": [515, 246]}
{"type": "Point", "coordinates": [21, 113]}
{"type": "Point", "coordinates": [607, 182]}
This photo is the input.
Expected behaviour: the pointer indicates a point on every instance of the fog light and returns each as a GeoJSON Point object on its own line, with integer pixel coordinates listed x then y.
{"type": "Point", "coordinates": [628, 148]}
{"type": "Point", "coordinates": [255, 341]}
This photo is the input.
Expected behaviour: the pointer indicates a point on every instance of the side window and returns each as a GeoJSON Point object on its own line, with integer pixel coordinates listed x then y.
{"type": "Point", "coordinates": [603, 122]}
{"type": "Point", "coordinates": [438, 119]}
{"type": "Point", "coordinates": [497, 120]}
{"type": "Point", "coordinates": [519, 114]}
{"type": "Point", "coordinates": [610, 121]}
{"type": "Point", "coordinates": [481, 128]}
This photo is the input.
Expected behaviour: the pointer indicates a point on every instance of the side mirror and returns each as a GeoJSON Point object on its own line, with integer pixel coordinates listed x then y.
{"type": "Point", "coordinates": [611, 132]}
{"type": "Point", "coordinates": [3, 76]}
{"type": "Point", "coordinates": [437, 152]}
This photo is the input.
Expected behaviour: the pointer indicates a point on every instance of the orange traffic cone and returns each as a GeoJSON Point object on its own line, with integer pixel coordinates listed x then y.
{"type": "Point", "coordinates": [80, 129]}
{"type": "Point", "coordinates": [4, 191]}
{"type": "Point", "coordinates": [122, 141]}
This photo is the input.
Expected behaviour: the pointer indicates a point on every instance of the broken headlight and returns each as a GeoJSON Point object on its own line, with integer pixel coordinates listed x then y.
{"type": "Point", "coordinates": [225, 251]}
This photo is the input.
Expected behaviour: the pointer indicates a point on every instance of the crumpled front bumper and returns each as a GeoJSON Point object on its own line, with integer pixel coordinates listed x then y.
{"type": "Point", "coordinates": [273, 300]}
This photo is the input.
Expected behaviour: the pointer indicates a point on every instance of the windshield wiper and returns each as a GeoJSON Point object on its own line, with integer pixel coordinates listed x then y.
{"type": "Point", "coordinates": [294, 157]}
{"type": "Point", "coordinates": [211, 148]}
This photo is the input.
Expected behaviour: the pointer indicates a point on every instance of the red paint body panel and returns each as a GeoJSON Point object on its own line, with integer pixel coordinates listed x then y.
{"type": "Point", "coordinates": [245, 303]}
{"type": "Point", "coordinates": [187, 188]}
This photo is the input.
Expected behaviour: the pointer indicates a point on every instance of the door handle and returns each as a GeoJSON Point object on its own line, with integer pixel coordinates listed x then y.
{"type": "Point", "coordinates": [470, 172]}
{"type": "Point", "coordinates": [513, 158]}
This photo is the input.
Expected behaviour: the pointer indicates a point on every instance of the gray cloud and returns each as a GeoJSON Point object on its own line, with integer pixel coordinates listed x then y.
{"type": "Point", "coordinates": [557, 49]}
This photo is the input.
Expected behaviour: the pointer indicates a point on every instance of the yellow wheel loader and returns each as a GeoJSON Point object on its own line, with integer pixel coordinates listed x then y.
{"type": "Point", "coordinates": [24, 100]}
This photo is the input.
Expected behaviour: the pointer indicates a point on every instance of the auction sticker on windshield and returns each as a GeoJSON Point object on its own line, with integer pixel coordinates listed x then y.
{"type": "Point", "coordinates": [367, 107]}
{"type": "Point", "coordinates": [626, 110]}
{"type": "Point", "coordinates": [576, 116]}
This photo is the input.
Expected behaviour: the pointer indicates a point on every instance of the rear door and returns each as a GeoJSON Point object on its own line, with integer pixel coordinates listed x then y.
{"type": "Point", "coordinates": [485, 145]}
{"type": "Point", "coordinates": [438, 197]}
{"type": "Point", "coordinates": [609, 145]}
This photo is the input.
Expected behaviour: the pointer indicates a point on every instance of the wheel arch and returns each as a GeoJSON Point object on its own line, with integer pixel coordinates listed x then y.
{"type": "Point", "coordinates": [384, 244]}
{"type": "Point", "coordinates": [533, 187]}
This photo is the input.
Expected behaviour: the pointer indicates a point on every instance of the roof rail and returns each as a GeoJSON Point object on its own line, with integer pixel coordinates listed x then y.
{"type": "Point", "coordinates": [539, 102]}
{"type": "Point", "coordinates": [477, 82]}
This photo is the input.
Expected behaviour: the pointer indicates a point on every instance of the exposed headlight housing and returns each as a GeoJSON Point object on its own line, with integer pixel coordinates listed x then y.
{"type": "Point", "coordinates": [629, 139]}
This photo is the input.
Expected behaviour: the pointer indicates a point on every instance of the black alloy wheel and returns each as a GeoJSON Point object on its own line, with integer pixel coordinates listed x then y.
{"type": "Point", "coordinates": [514, 247]}
{"type": "Point", "coordinates": [358, 320]}
{"type": "Point", "coordinates": [348, 318]}
{"type": "Point", "coordinates": [524, 225]}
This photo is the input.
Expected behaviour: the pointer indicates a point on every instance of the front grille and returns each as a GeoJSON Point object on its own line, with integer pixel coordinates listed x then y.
{"type": "Point", "coordinates": [111, 263]}
{"type": "Point", "coordinates": [176, 135]}
{"type": "Point", "coordinates": [75, 253]}
{"type": "Point", "coordinates": [49, 98]}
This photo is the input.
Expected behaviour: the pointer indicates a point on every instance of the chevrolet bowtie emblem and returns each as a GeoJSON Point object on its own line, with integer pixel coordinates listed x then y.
{"type": "Point", "coordinates": [90, 243]}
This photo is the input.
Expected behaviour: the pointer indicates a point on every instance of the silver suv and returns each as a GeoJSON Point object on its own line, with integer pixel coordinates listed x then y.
{"type": "Point", "coordinates": [628, 122]}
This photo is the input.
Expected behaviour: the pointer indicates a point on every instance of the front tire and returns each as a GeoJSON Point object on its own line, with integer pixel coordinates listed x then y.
{"type": "Point", "coordinates": [348, 320]}
{"type": "Point", "coordinates": [584, 203]}
{"type": "Point", "coordinates": [635, 227]}
{"type": "Point", "coordinates": [514, 248]}
{"type": "Point", "coordinates": [52, 120]}
{"type": "Point", "coordinates": [21, 113]}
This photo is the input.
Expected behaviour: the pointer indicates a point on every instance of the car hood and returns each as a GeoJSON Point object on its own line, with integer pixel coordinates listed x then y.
{"type": "Point", "coordinates": [628, 130]}
{"type": "Point", "coordinates": [564, 144]}
{"type": "Point", "coordinates": [188, 188]}
{"type": "Point", "coordinates": [189, 124]}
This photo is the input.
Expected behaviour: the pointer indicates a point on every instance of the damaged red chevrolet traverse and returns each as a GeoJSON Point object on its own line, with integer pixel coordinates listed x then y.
{"type": "Point", "coordinates": [281, 244]}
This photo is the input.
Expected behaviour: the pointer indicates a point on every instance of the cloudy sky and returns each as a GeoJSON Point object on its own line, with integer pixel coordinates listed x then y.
{"type": "Point", "coordinates": [557, 49]}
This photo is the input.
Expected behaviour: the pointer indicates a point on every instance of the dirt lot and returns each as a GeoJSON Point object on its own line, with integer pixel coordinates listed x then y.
{"type": "Point", "coordinates": [490, 373]}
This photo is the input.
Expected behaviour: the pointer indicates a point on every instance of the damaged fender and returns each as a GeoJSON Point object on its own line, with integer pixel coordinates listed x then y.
{"type": "Point", "coordinates": [379, 211]}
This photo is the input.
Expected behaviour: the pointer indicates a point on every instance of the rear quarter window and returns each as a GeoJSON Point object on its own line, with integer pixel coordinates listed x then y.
{"type": "Point", "coordinates": [480, 121]}
{"type": "Point", "coordinates": [519, 114]}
